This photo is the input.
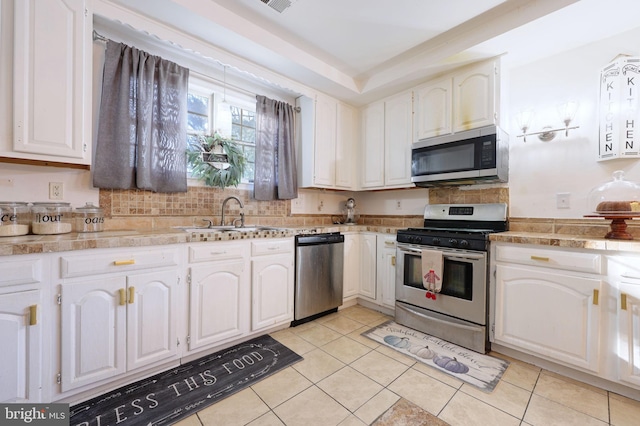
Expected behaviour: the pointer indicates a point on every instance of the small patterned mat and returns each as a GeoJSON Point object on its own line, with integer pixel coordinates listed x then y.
{"type": "Point", "coordinates": [481, 371]}
{"type": "Point", "coordinates": [404, 413]}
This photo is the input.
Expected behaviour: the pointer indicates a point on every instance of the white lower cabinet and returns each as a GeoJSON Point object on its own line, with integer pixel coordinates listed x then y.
{"type": "Point", "coordinates": [117, 322]}
{"type": "Point", "coordinates": [577, 307]}
{"type": "Point", "coordinates": [627, 272]}
{"type": "Point", "coordinates": [386, 269]}
{"type": "Point", "coordinates": [21, 356]}
{"type": "Point", "coordinates": [368, 270]}
{"type": "Point", "coordinates": [21, 329]}
{"type": "Point", "coordinates": [555, 315]}
{"type": "Point", "coordinates": [377, 268]}
{"type": "Point", "coordinates": [351, 262]}
{"type": "Point", "coordinates": [219, 293]}
{"type": "Point", "coordinates": [272, 283]}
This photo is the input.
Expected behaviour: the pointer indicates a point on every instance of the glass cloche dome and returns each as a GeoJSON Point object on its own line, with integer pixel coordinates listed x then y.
{"type": "Point", "coordinates": [618, 196]}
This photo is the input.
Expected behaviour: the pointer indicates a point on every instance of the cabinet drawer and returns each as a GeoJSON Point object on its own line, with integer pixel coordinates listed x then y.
{"type": "Point", "coordinates": [557, 259]}
{"type": "Point", "coordinates": [20, 271]}
{"type": "Point", "coordinates": [116, 261]}
{"type": "Point", "coordinates": [216, 251]}
{"type": "Point", "coordinates": [261, 248]}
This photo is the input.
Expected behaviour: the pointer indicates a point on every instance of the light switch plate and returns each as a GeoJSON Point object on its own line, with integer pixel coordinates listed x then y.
{"type": "Point", "coordinates": [563, 200]}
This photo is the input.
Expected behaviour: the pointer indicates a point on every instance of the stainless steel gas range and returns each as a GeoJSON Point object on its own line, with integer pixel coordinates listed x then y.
{"type": "Point", "coordinates": [459, 312]}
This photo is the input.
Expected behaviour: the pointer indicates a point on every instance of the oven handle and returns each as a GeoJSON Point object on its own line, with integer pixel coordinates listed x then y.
{"type": "Point", "coordinates": [466, 256]}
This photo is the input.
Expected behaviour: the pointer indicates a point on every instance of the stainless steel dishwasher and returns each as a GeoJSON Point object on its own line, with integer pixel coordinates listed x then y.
{"type": "Point", "coordinates": [319, 263]}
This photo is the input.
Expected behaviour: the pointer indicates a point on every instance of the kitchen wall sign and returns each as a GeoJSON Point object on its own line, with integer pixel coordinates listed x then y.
{"type": "Point", "coordinates": [619, 109]}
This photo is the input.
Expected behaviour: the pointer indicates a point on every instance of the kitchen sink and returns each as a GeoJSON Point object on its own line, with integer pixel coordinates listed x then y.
{"type": "Point", "coordinates": [227, 228]}
{"type": "Point", "coordinates": [255, 228]}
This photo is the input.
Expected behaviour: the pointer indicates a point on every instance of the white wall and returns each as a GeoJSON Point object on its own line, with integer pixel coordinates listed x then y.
{"type": "Point", "coordinates": [397, 202]}
{"type": "Point", "coordinates": [31, 183]}
{"type": "Point", "coordinates": [539, 170]}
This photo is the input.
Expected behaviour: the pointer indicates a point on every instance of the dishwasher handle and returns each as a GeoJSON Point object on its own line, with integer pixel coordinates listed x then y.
{"type": "Point", "coordinates": [319, 239]}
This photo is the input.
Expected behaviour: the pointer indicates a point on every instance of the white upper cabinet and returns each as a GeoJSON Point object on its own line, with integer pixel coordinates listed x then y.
{"type": "Point", "coordinates": [372, 157]}
{"type": "Point", "coordinates": [398, 128]}
{"type": "Point", "coordinates": [324, 167]}
{"type": "Point", "coordinates": [328, 135]}
{"type": "Point", "coordinates": [346, 144]}
{"type": "Point", "coordinates": [387, 128]}
{"type": "Point", "coordinates": [433, 101]}
{"type": "Point", "coordinates": [51, 82]}
{"type": "Point", "coordinates": [463, 100]}
{"type": "Point", "coordinates": [474, 97]}
{"type": "Point", "coordinates": [6, 72]}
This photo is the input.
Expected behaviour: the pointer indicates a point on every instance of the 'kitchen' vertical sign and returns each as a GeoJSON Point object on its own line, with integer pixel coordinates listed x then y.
{"type": "Point", "coordinates": [619, 112]}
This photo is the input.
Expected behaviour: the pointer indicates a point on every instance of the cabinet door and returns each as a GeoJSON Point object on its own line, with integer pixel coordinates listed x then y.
{"type": "Point", "coordinates": [474, 97]}
{"type": "Point", "coordinates": [151, 317]}
{"type": "Point", "coordinates": [325, 142]}
{"type": "Point", "coordinates": [433, 109]}
{"type": "Point", "coordinates": [549, 314]}
{"type": "Point", "coordinates": [21, 355]}
{"type": "Point", "coordinates": [52, 76]}
{"type": "Point", "coordinates": [351, 275]}
{"type": "Point", "coordinates": [346, 144]}
{"type": "Point", "coordinates": [272, 290]}
{"type": "Point", "coordinates": [93, 330]}
{"type": "Point", "coordinates": [219, 302]}
{"type": "Point", "coordinates": [368, 266]}
{"type": "Point", "coordinates": [6, 73]}
{"type": "Point", "coordinates": [372, 158]}
{"type": "Point", "coordinates": [386, 270]}
{"type": "Point", "coordinates": [629, 332]}
{"type": "Point", "coordinates": [398, 137]}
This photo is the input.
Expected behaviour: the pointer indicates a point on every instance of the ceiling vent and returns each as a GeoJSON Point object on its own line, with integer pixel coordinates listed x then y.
{"type": "Point", "coordinates": [278, 5]}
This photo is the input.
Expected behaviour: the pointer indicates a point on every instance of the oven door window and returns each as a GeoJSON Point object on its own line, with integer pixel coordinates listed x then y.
{"type": "Point", "coordinates": [457, 279]}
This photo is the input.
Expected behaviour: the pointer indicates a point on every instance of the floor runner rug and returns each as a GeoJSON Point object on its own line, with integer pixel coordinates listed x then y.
{"type": "Point", "coordinates": [479, 370]}
{"type": "Point", "coordinates": [172, 395]}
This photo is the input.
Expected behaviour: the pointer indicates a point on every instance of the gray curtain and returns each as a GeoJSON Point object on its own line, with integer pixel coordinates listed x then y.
{"type": "Point", "coordinates": [276, 175]}
{"type": "Point", "coordinates": [142, 127]}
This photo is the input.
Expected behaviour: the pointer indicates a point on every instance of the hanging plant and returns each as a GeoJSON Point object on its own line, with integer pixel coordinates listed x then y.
{"type": "Point", "coordinates": [216, 160]}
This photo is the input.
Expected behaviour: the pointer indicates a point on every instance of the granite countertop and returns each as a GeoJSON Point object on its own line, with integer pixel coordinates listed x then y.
{"type": "Point", "coordinates": [567, 241]}
{"type": "Point", "coordinates": [29, 244]}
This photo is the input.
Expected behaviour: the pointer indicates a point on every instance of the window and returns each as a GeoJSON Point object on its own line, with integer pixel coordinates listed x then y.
{"type": "Point", "coordinates": [243, 131]}
{"type": "Point", "coordinates": [203, 116]}
{"type": "Point", "coordinates": [197, 115]}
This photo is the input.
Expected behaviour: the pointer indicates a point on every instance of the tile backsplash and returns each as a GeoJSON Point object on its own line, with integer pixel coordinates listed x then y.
{"type": "Point", "coordinates": [139, 209]}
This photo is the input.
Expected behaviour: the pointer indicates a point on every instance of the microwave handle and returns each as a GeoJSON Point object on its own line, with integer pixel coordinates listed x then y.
{"type": "Point", "coordinates": [466, 256]}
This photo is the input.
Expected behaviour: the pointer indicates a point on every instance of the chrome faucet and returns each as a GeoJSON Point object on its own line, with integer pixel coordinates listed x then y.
{"type": "Point", "coordinates": [241, 213]}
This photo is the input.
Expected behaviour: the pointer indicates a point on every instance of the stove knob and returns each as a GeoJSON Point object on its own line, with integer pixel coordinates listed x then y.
{"type": "Point", "coordinates": [464, 243]}
{"type": "Point", "coordinates": [453, 242]}
{"type": "Point", "coordinates": [435, 241]}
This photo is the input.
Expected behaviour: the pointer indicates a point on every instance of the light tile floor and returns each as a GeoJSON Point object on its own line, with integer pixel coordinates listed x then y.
{"type": "Point", "coordinates": [346, 379]}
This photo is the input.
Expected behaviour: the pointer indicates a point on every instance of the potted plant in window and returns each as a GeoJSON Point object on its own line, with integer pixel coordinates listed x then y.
{"type": "Point", "coordinates": [216, 160]}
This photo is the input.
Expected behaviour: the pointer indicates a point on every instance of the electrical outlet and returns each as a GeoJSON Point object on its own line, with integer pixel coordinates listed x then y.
{"type": "Point", "coordinates": [55, 190]}
{"type": "Point", "coordinates": [398, 205]}
{"type": "Point", "coordinates": [320, 205]}
{"type": "Point", "coordinates": [562, 200]}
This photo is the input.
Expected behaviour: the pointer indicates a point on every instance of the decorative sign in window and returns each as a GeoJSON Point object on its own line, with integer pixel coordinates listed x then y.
{"type": "Point", "coordinates": [619, 109]}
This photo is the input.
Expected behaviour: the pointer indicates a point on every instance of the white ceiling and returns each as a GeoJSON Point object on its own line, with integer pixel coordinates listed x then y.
{"type": "Point", "coordinates": [362, 50]}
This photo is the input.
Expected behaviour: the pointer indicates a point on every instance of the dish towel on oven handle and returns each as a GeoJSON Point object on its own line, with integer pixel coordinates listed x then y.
{"type": "Point", "coordinates": [432, 270]}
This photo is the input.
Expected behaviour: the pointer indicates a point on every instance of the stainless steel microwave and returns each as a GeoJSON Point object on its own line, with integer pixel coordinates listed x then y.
{"type": "Point", "coordinates": [464, 158]}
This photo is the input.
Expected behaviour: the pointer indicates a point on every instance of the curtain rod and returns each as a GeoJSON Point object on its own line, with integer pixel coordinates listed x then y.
{"type": "Point", "coordinates": [99, 37]}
